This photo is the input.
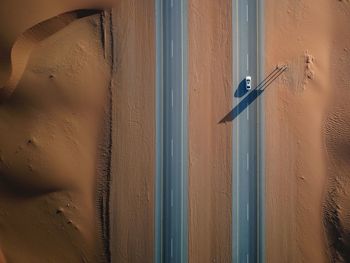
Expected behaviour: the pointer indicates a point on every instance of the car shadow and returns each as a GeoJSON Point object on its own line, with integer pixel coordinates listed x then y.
{"type": "Point", "coordinates": [241, 90]}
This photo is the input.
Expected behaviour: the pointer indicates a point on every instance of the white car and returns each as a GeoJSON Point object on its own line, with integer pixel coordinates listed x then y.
{"type": "Point", "coordinates": [248, 82]}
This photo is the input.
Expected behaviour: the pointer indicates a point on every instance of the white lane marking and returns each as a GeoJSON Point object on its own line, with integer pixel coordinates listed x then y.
{"type": "Point", "coordinates": [247, 13]}
{"type": "Point", "coordinates": [172, 98]}
{"type": "Point", "coordinates": [247, 211]}
{"type": "Point", "coordinates": [172, 147]}
{"type": "Point", "coordinates": [171, 247]}
{"type": "Point", "coordinates": [247, 258]}
{"type": "Point", "coordinates": [172, 3]}
{"type": "Point", "coordinates": [172, 48]}
{"type": "Point", "coordinates": [172, 197]}
{"type": "Point", "coordinates": [248, 114]}
{"type": "Point", "coordinates": [247, 62]}
{"type": "Point", "coordinates": [247, 161]}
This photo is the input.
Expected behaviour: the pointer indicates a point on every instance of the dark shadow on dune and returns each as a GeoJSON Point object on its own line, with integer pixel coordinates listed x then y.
{"type": "Point", "coordinates": [252, 95]}
{"type": "Point", "coordinates": [337, 237]}
{"type": "Point", "coordinates": [22, 190]}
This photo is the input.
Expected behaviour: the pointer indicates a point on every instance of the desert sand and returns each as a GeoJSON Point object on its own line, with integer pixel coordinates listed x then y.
{"type": "Point", "coordinates": [210, 143]}
{"type": "Point", "coordinates": [133, 132]}
{"type": "Point", "coordinates": [77, 116]}
{"type": "Point", "coordinates": [60, 92]}
{"type": "Point", "coordinates": [17, 17]}
{"type": "Point", "coordinates": [336, 134]}
{"type": "Point", "coordinates": [51, 130]}
{"type": "Point", "coordinates": [306, 116]}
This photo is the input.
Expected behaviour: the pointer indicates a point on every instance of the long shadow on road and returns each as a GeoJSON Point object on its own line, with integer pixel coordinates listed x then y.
{"type": "Point", "coordinates": [253, 95]}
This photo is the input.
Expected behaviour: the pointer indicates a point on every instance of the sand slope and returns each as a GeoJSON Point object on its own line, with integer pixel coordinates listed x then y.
{"type": "Point", "coordinates": [305, 125]}
{"type": "Point", "coordinates": [337, 137]}
{"type": "Point", "coordinates": [50, 134]}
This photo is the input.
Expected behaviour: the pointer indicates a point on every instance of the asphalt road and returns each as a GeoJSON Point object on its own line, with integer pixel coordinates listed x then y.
{"type": "Point", "coordinates": [245, 132]}
{"type": "Point", "coordinates": [171, 210]}
{"type": "Point", "coordinates": [171, 214]}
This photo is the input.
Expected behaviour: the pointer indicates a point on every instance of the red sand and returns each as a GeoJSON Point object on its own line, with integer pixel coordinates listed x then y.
{"type": "Point", "coordinates": [210, 143]}
{"type": "Point", "coordinates": [54, 158]}
{"type": "Point", "coordinates": [306, 131]}
{"type": "Point", "coordinates": [133, 133]}
{"type": "Point", "coordinates": [51, 131]}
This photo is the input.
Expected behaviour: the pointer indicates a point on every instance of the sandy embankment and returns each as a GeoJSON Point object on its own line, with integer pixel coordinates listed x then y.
{"type": "Point", "coordinates": [307, 134]}
{"type": "Point", "coordinates": [19, 16]}
{"type": "Point", "coordinates": [210, 143]}
{"type": "Point", "coordinates": [337, 137]}
{"type": "Point", "coordinates": [50, 130]}
{"type": "Point", "coordinates": [56, 79]}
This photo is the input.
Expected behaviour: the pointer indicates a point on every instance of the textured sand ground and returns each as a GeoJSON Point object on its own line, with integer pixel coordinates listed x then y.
{"type": "Point", "coordinates": [337, 137]}
{"type": "Point", "coordinates": [19, 16]}
{"type": "Point", "coordinates": [53, 122]}
{"type": "Point", "coordinates": [307, 134]}
{"type": "Point", "coordinates": [133, 133]}
{"type": "Point", "coordinates": [51, 129]}
{"type": "Point", "coordinates": [55, 79]}
{"type": "Point", "coordinates": [210, 143]}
